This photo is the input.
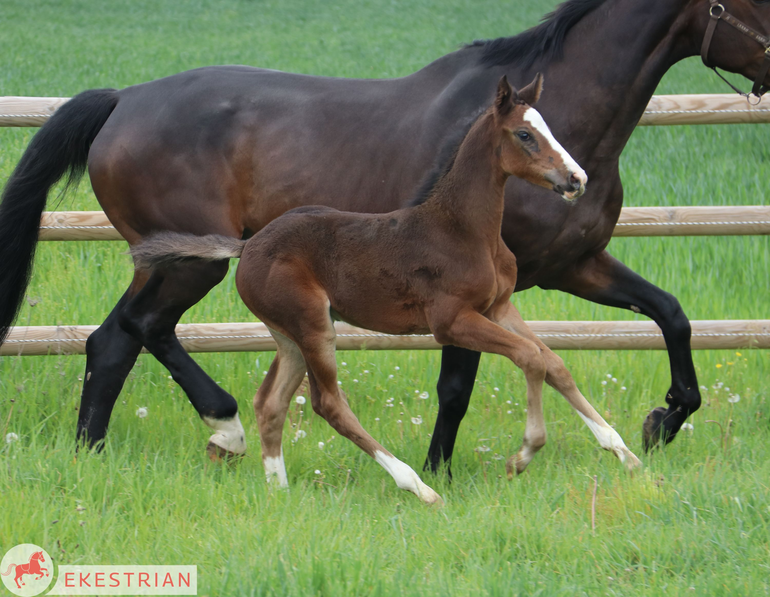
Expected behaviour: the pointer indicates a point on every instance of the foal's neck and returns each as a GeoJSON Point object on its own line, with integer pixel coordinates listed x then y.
{"type": "Point", "coordinates": [471, 195]}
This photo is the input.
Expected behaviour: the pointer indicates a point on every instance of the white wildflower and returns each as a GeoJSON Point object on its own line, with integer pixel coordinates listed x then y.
{"type": "Point", "coordinates": [734, 398]}
{"type": "Point", "coordinates": [604, 382]}
{"type": "Point", "coordinates": [300, 434]}
{"type": "Point", "coordinates": [417, 420]}
{"type": "Point", "coordinates": [425, 395]}
{"type": "Point", "coordinates": [614, 380]}
{"type": "Point", "coordinates": [11, 437]}
{"type": "Point", "coordinates": [317, 472]}
{"type": "Point", "coordinates": [483, 449]}
{"type": "Point", "coordinates": [141, 412]}
{"type": "Point", "coordinates": [687, 426]}
{"type": "Point", "coordinates": [390, 376]}
{"type": "Point", "coordinates": [622, 388]}
{"type": "Point", "coordinates": [344, 364]}
{"type": "Point", "coordinates": [398, 368]}
{"type": "Point", "coordinates": [609, 376]}
{"type": "Point", "coordinates": [496, 389]}
{"type": "Point", "coordinates": [321, 445]}
{"type": "Point", "coordinates": [300, 400]}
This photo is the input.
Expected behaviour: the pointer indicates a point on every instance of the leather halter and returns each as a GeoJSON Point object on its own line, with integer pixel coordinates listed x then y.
{"type": "Point", "coordinates": [718, 13]}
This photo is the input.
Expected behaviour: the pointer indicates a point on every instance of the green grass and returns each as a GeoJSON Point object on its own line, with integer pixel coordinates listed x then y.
{"type": "Point", "coordinates": [695, 521]}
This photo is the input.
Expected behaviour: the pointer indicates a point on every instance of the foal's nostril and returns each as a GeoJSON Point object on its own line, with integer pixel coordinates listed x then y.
{"type": "Point", "coordinates": [575, 182]}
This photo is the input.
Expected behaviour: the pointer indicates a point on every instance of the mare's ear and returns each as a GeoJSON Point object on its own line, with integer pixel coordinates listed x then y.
{"type": "Point", "coordinates": [506, 96]}
{"type": "Point", "coordinates": [531, 93]}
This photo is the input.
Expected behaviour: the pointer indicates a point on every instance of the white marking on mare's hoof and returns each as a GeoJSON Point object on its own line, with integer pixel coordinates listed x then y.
{"type": "Point", "coordinates": [229, 435]}
{"type": "Point", "coordinates": [406, 478]}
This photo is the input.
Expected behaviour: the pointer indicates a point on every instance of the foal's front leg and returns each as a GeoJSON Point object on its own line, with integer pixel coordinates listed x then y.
{"type": "Point", "coordinates": [559, 378]}
{"type": "Point", "coordinates": [472, 330]}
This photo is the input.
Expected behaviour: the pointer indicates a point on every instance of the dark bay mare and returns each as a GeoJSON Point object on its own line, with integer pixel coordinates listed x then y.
{"type": "Point", "coordinates": [438, 266]}
{"type": "Point", "coordinates": [225, 150]}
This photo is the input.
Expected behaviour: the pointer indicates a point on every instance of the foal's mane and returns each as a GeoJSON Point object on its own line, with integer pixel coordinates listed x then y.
{"type": "Point", "coordinates": [445, 158]}
{"type": "Point", "coordinates": [545, 41]}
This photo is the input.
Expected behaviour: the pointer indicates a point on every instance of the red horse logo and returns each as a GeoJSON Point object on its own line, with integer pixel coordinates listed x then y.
{"type": "Point", "coordinates": [31, 567]}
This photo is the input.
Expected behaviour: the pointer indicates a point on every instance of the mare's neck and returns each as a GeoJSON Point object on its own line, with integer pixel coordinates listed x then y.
{"type": "Point", "coordinates": [613, 60]}
{"type": "Point", "coordinates": [470, 196]}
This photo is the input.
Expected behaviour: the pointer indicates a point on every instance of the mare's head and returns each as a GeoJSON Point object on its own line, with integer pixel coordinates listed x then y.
{"type": "Point", "coordinates": [528, 149]}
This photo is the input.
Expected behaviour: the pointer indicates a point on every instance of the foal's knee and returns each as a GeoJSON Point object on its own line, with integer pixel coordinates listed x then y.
{"type": "Point", "coordinates": [531, 360]}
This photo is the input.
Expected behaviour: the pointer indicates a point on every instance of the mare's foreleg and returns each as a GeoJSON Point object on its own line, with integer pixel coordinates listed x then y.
{"type": "Point", "coordinates": [558, 377]}
{"type": "Point", "coordinates": [455, 385]}
{"type": "Point", "coordinates": [471, 330]}
{"type": "Point", "coordinates": [272, 403]}
{"type": "Point", "coordinates": [605, 280]}
{"type": "Point", "coordinates": [151, 317]}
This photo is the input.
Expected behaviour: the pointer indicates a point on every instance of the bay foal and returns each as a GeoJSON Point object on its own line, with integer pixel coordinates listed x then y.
{"type": "Point", "coordinates": [439, 266]}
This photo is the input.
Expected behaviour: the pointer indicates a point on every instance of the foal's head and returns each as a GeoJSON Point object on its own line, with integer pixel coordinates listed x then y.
{"type": "Point", "coordinates": [528, 149]}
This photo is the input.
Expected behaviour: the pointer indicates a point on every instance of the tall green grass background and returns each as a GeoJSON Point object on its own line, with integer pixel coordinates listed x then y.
{"type": "Point", "coordinates": [694, 521]}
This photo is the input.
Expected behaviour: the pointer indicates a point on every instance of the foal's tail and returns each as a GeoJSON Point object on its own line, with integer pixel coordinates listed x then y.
{"type": "Point", "coordinates": [167, 247]}
{"type": "Point", "coordinates": [60, 148]}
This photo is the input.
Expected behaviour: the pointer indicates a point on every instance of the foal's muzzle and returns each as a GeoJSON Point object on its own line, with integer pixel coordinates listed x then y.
{"type": "Point", "coordinates": [574, 187]}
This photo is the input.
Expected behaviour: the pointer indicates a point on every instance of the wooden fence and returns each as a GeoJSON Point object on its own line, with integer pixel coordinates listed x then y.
{"type": "Point", "coordinates": [634, 221]}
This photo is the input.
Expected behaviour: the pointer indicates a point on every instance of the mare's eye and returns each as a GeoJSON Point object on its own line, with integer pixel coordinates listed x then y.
{"type": "Point", "coordinates": [524, 135]}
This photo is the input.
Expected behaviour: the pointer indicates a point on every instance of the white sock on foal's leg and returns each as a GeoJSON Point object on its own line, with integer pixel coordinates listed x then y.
{"type": "Point", "coordinates": [275, 469]}
{"type": "Point", "coordinates": [406, 478]}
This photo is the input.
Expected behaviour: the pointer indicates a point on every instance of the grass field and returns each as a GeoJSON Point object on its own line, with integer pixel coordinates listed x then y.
{"type": "Point", "coordinates": [696, 520]}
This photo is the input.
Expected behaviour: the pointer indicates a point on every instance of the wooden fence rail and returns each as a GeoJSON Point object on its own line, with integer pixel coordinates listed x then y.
{"type": "Point", "coordinates": [564, 335]}
{"type": "Point", "coordinates": [662, 110]}
{"type": "Point", "coordinates": [634, 221]}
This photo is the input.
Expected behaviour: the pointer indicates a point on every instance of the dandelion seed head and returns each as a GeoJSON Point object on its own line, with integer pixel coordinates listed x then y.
{"type": "Point", "coordinates": [300, 434]}
{"type": "Point", "coordinates": [141, 412]}
{"type": "Point", "coordinates": [622, 388]}
{"type": "Point", "coordinates": [496, 389]}
{"type": "Point", "coordinates": [614, 380]}
{"type": "Point", "coordinates": [424, 395]}
{"type": "Point", "coordinates": [604, 382]}
{"type": "Point", "coordinates": [321, 445]}
{"type": "Point", "coordinates": [417, 420]}
{"type": "Point", "coordinates": [344, 364]}
{"type": "Point", "coordinates": [300, 400]}
{"type": "Point", "coordinates": [317, 472]}
{"type": "Point", "coordinates": [11, 437]}
{"type": "Point", "coordinates": [735, 398]}
{"type": "Point", "coordinates": [687, 426]}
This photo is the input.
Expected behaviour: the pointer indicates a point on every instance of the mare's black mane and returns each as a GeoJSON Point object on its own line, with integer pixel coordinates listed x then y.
{"type": "Point", "coordinates": [546, 41]}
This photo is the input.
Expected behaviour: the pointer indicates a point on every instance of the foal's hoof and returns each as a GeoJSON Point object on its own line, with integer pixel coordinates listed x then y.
{"type": "Point", "coordinates": [430, 497]}
{"type": "Point", "coordinates": [219, 454]}
{"type": "Point", "coordinates": [651, 428]}
{"type": "Point", "coordinates": [630, 461]}
{"type": "Point", "coordinates": [515, 466]}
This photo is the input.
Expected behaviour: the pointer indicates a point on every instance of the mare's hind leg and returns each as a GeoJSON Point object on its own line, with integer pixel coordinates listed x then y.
{"type": "Point", "coordinates": [272, 403]}
{"type": "Point", "coordinates": [111, 353]}
{"type": "Point", "coordinates": [559, 378]}
{"type": "Point", "coordinates": [316, 339]}
{"type": "Point", "coordinates": [151, 317]}
{"type": "Point", "coordinates": [472, 330]}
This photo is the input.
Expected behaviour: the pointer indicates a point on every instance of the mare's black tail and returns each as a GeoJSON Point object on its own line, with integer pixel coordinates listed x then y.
{"type": "Point", "coordinates": [60, 148]}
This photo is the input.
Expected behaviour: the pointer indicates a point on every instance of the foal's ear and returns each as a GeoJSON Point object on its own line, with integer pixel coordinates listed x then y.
{"type": "Point", "coordinates": [506, 95]}
{"type": "Point", "coordinates": [531, 93]}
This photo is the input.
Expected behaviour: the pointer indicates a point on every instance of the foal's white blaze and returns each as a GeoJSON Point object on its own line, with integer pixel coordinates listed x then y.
{"type": "Point", "coordinates": [406, 478]}
{"type": "Point", "coordinates": [534, 118]}
{"type": "Point", "coordinates": [229, 434]}
{"type": "Point", "coordinates": [609, 439]}
{"type": "Point", "coordinates": [275, 469]}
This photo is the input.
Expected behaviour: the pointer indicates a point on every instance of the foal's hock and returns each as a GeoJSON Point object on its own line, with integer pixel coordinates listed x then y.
{"type": "Point", "coordinates": [439, 266]}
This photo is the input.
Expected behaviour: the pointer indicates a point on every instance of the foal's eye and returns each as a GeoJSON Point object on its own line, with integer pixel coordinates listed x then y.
{"type": "Point", "coordinates": [524, 135]}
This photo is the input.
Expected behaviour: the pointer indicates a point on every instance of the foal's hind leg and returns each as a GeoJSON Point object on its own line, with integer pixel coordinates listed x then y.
{"type": "Point", "coordinates": [471, 330]}
{"type": "Point", "coordinates": [272, 403]}
{"type": "Point", "coordinates": [151, 317]}
{"type": "Point", "coordinates": [317, 343]}
{"type": "Point", "coordinates": [559, 378]}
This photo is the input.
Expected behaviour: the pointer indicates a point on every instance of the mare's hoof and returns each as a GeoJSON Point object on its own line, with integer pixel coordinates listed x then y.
{"type": "Point", "coordinates": [219, 454]}
{"type": "Point", "coordinates": [631, 462]}
{"type": "Point", "coordinates": [651, 428]}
